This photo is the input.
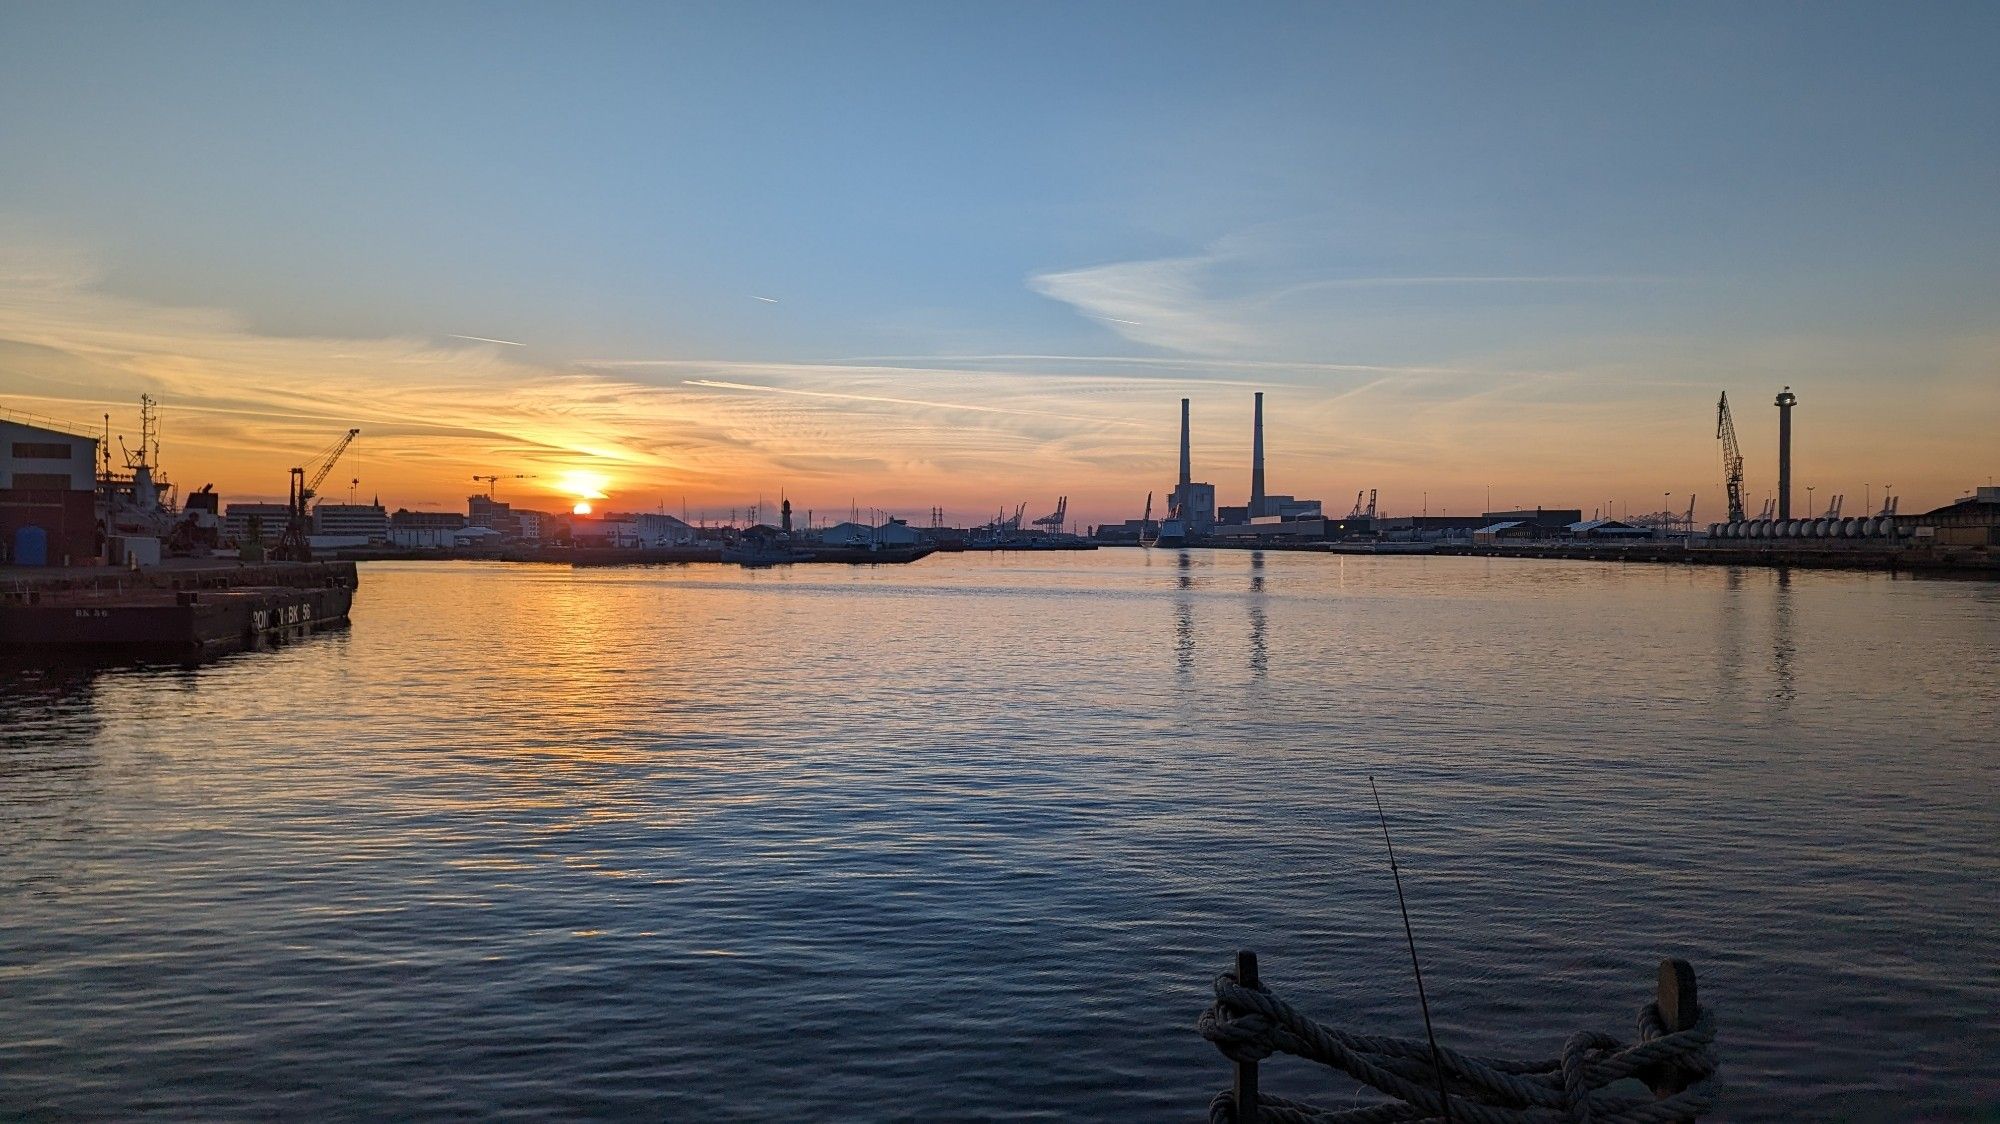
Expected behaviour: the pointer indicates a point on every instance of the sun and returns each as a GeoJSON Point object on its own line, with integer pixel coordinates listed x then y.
{"type": "Point", "coordinates": [585, 486]}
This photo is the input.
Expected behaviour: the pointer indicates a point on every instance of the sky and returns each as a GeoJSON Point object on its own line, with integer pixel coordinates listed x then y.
{"type": "Point", "coordinates": [905, 256]}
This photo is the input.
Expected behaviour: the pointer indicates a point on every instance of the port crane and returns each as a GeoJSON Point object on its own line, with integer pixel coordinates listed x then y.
{"type": "Point", "coordinates": [293, 545]}
{"type": "Point", "coordinates": [1668, 520]}
{"type": "Point", "coordinates": [1732, 457]}
{"type": "Point", "coordinates": [1053, 522]}
{"type": "Point", "coordinates": [1002, 524]}
{"type": "Point", "coordinates": [1363, 510]}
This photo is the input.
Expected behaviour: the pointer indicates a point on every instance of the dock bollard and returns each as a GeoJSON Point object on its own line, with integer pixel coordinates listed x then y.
{"type": "Point", "coordinates": [1671, 1058]}
{"type": "Point", "coordinates": [1246, 1071]}
{"type": "Point", "coordinates": [1680, 1009]}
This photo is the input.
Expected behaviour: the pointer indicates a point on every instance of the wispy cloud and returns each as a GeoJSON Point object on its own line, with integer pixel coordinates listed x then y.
{"type": "Point", "coordinates": [1239, 297]}
{"type": "Point", "coordinates": [239, 406]}
{"type": "Point", "coordinates": [1182, 363]}
{"type": "Point", "coordinates": [969, 431]}
{"type": "Point", "coordinates": [1161, 303]}
{"type": "Point", "coordinates": [1519, 279]}
{"type": "Point", "coordinates": [929, 405]}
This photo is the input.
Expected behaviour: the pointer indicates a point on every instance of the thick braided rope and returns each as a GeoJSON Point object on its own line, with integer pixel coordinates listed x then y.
{"type": "Point", "coordinates": [1250, 1024]}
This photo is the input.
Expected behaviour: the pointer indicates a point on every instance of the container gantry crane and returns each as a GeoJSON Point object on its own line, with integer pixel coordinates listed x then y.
{"type": "Point", "coordinates": [294, 545]}
{"type": "Point", "coordinates": [1732, 457]}
{"type": "Point", "coordinates": [1053, 522]}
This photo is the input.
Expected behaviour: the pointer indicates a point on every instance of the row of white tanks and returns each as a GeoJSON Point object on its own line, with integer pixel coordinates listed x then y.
{"type": "Point", "coordinates": [1852, 527]}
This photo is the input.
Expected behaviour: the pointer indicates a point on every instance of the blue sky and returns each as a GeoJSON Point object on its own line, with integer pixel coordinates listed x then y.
{"type": "Point", "coordinates": [1457, 243]}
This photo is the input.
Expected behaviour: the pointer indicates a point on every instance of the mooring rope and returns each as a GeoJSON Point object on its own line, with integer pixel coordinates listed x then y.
{"type": "Point", "coordinates": [1250, 1024]}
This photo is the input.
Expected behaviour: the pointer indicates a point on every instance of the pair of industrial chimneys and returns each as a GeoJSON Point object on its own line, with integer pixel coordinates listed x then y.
{"type": "Point", "coordinates": [1256, 455]}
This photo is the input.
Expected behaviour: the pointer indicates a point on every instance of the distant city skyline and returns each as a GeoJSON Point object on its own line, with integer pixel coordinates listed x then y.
{"type": "Point", "coordinates": [907, 257]}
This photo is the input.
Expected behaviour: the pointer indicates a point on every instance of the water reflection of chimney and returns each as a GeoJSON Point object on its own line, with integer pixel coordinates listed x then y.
{"type": "Point", "coordinates": [1260, 653]}
{"type": "Point", "coordinates": [1184, 615]}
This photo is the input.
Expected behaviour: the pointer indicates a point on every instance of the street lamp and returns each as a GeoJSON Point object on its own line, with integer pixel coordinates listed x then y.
{"type": "Point", "coordinates": [1809, 501]}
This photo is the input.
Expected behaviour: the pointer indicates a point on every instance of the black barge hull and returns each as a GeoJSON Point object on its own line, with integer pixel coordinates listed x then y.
{"type": "Point", "coordinates": [182, 610]}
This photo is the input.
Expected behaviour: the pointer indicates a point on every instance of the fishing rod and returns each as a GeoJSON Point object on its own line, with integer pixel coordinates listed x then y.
{"type": "Point", "coordinates": [1437, 1063]}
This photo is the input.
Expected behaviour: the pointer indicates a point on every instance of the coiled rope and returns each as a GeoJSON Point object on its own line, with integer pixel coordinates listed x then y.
{"type": "Point", "coordinates": [1249, 1024]}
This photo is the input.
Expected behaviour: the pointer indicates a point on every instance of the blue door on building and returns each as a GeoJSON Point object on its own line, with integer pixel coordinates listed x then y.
{"type": "Point", "coordinates": [31, 547]}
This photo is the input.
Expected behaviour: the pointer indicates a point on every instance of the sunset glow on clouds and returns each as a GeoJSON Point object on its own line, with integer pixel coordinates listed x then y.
{"type": "Point", "coordinates": [970, 433]}
{"type": "Point", "coordinates": [683, 259]}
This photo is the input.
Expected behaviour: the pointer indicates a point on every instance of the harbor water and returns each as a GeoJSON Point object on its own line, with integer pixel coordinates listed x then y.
{"type": "Point", "coordinates": [968, 839]}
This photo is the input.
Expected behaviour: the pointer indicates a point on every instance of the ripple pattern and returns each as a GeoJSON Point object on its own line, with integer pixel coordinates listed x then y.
{"type": "Point", "coordinates": [967, 839]}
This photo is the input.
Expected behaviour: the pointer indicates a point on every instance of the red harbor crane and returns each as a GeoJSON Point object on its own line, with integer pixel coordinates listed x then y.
{"type": "Point", "coordinates": [294, 545]}
{"type": "Point", "coordinates": [1732, 457]}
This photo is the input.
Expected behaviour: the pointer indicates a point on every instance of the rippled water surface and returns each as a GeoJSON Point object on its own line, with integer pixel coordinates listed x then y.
{"type": "Point", "coordinates": [969, 838]}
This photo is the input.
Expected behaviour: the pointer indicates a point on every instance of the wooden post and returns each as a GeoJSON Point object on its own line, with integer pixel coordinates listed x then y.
{"type": "Point", "coordinates": [1680, 1007]}
{"type": "Point", "coordinates": [1246, 1072]}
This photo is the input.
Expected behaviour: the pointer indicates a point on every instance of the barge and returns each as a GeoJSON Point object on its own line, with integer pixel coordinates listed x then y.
{"type": "Point", "coordinates": [189, 609]}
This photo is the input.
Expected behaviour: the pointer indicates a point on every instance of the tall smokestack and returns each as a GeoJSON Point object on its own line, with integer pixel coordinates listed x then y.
{"type": "Point", "coordinates": [1187, 466]}
{"type": "Point", "coordinates": [1786, 400]}
{"type": "Point", "coordinates": [1257, 459]}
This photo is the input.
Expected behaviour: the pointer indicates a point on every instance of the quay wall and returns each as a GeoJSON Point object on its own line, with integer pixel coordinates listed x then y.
{"type": "Point", "coordinates": [1804, 554]}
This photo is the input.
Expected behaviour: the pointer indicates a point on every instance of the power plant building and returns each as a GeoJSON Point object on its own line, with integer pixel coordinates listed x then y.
{"type": "Point", "coordinates": [1259, 517]}
{"type": "Point", "coordinates": [1192, 514]}
{"type": "Point", "coordinates": [1192, 503]}
{"type": "Point", "coordinates": [1196, 503]}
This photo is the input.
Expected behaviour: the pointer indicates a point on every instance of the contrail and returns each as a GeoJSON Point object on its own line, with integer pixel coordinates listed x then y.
{"type": "Point", "coordinates": [766, 300]}
{"type": "Point", "coordinates": [1115, 320]}
{"type": "Point", "coordinates": [483, 339]}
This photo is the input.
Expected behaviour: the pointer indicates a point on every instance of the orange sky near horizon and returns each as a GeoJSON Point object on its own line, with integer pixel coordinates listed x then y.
{"type": "Point", "coordinates": [973, 435]}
